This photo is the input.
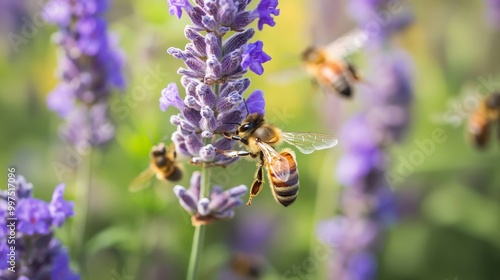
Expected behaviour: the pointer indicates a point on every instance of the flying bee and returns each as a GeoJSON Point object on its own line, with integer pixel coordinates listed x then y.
{"type": "Point", "coordinates": [482, 119]}
{"type": "Point", "coordinates": [162, 164]}
{"type": "Point", "coordinates": [259, 138]}
{"type": "Point", "coordinates": [329, 67]}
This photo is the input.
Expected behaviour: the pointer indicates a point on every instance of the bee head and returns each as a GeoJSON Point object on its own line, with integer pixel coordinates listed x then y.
{"type": "Point", "coordinates": [158, 150]}
{"type": "Point", "coordinates": [250, 122]}
{"type": "Point", "coordinates": [312, 55]}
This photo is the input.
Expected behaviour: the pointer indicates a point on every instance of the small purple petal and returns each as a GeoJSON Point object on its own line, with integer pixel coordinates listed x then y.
{"type": "Point", "coordinates": [256, 102]}
{"type": "Point", "coordinates": [186, 199]}
{"type": "Point", "coordinates": [170, 97]}
{"type": "Point", "coordinates": [60, 209]}
{"type": "Point", "coordinates": [265, 10]}
{"type": "Point", "coordinates": [34, 216]}
{"type": "Point", "coordinates": [253, 57]}
{"type": "Point", "coordinates": [175, 7]}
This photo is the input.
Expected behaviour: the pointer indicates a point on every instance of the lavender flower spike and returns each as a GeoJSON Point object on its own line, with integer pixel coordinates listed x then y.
{"type": "Point", "coordinates": [204, 211]}
{"type": "Point", "coordinates": [39, 255]}
{"type": "Point", "coordinates": [90, 67]}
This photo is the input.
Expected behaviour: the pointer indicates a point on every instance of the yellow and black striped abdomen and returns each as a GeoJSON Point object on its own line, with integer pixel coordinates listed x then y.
{"type": "Point", "coordinates": [285, 192]}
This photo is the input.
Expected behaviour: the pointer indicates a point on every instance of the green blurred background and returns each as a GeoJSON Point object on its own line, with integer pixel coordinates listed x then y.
{"type": "Point", "coordinates": [449, 224]}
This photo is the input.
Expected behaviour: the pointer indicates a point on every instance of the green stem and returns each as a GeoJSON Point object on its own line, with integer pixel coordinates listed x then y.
{"type": "Point", "coordinates": [82, 206]}
{"type": "Point", "coordinates": [199, 232]}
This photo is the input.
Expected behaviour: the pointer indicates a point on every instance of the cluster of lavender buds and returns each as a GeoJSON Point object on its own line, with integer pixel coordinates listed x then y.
{"type": "Point", "coordinates": [214, 89]}
{"type": "Point", "coordinates": [90, 66]}
{"type": "Point", "coordinates": [368, 203]}
{"type": "Point", "coordinates": [28, 247]}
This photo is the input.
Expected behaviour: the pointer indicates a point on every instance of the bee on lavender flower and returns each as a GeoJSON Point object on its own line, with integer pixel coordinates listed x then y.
{"type": "Point", "coordinates": [259, 138]}
{"type": "Point", "coordinates": [482, 118]}
{"type": "Point", "coordinates": [163, 164]}
{"type": "Point", "coordinates": [328, 66]}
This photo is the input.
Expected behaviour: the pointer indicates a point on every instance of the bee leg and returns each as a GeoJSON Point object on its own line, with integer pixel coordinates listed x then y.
{"type": "Point", "coordinates": [258, 182]}
{"type": "Point", "coordinates": [235, 138]}
{"type": "Point", "coordinates": [234, 153]}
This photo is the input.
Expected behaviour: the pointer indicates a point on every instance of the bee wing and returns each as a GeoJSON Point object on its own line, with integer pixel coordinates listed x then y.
{"type": "Point", "coordinates": [142, 181]}
{"type": "Point", "coordinates": [308, 142]}
{"type": "Point", "coordinates": [277, 163]}
{"type": "Point", "coordinates": [347, 43]}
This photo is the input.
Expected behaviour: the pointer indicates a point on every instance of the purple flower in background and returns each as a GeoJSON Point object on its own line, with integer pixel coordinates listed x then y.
{"type": "Point", "coordinates": [90, 67]}
{"type": "Point", "coordinates": [253, 57]}
{"type": "Point", "coordinates": [38, 254]}
{"type": "Point", "coordinates": [367, 202]}
{"type": "Point", "coordinates": [60, 209]}
{"type": "Point", "coordinates": [492, 10]}
{"type": "Point", "coordinates": [256, 102]}
{"type": "Point", "coordinates": [34, 216]}
{"type": "Point", "coordinates": [61, 268]}
{"type": "Point", "coordinates": [219, 205]}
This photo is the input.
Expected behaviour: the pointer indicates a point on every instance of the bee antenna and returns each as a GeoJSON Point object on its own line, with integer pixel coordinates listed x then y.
{"type": "Point", "coordinates": [232, 123]}
{"type": "Point", "coordinates": [246, 106]}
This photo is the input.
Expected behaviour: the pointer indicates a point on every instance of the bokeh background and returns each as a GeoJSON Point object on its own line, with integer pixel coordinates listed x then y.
{"type": "Point", "coordinates": [449, 211]}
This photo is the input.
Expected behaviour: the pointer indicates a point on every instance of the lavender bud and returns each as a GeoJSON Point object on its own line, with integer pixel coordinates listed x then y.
{"type": "Point", "coordinates": [238, 40]}
{"type": "Point", "coordinates": [208, 121]}
{"type": "Point", "coordinates": [206, 95]}
{"type": "Point", "coordinates": [207, 153]}
{"type": "Point", "coordinates": [213, 45]}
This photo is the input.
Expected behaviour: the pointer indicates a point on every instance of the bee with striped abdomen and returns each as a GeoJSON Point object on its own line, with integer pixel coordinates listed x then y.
{"type": "Point", "coordinates": [481, 120]}
{"type": "Point", "coordinates": [162, 164]}
{"type": "Point", "coordinates": [259, 138]}
{"type": "Point", "coordinates": [329, 67]}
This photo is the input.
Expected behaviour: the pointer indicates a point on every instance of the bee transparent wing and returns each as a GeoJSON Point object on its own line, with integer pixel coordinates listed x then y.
{"type": "Point", "coordinates": [308, 142]}
{"type": "Point", "coordinates": [347, 43]}
{"type": "Point", "coordinates": [277, 163]}
{"type": "Point", "coordinates": [142, 181]}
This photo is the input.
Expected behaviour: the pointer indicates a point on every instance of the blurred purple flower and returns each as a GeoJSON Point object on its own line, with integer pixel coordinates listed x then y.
{"type": "Point", "coordinates": [34, 216]}
{"type": "Point", "coordinates": [220, 204]}
{"type": "Point", "coordinates": [90, 66]}
{"type": "Point", "coordinates": [254, 56]}
{"type": "Point", "coordinates": [60, 209]}
{"type": "Point", "coordinates": [61, 267]}
{"type": "Point", "coordinates": [38, 254]}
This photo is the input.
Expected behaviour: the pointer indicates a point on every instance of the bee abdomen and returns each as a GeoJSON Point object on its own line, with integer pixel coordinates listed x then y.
{"type": "Point", "coordinates": [285, 192]}
{"type": "Point", "coordinates": [175, 175]}
{"type": "Point", "coordinates": [342, 86]}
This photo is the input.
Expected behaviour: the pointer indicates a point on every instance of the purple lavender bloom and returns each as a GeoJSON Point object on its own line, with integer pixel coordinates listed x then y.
{"type": "Point", "coordinates": [170, 97]}
{"type": "Point", "coordinates": [38, 254]}
{"type": "Point", "coordinates": [256, 102]}
{"type": "Point", "coordinates": [61, 268]}
{"type": "Point", "coordinates": [90, 66]}
{"type": "Point", "coordinates": [220, 204]}
{"type": "Point", "coordinates": [34, 216]}
{"type": "Point", "coordinates": [253, 57]}
{"type": "Point", "coordinates": [60, 209]}
{"type": "Point", "coordinates": [265, 9]}
{"type": "Point", "coordinates": [175, 7]}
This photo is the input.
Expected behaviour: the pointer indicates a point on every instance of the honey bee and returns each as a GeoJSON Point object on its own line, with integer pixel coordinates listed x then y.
{"type": "Point", "coordinates": [482, 118]}
{"type": "Point", "coordinates": [329, 67]}
{"type": "Point", "coordinates": [259, 138]}
{"type": "Point", "coordinates": [162, 164]}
